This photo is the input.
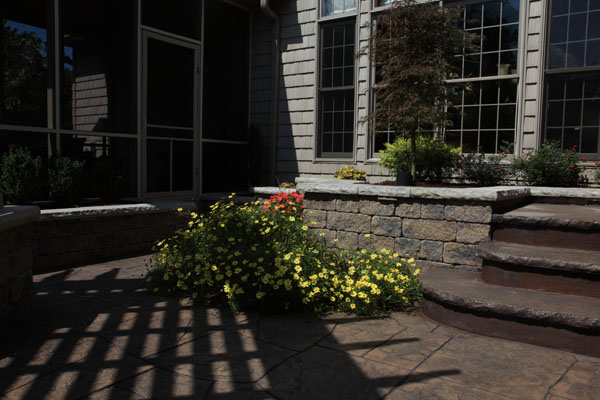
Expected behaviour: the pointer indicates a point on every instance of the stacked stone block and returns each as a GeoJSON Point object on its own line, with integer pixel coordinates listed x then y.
{"type": "Point", "coordinates": [434, 232]}
{"type": "Point", "coordinates": [15, 273]}
{"type": "Point", "coordinates": [66, 242]}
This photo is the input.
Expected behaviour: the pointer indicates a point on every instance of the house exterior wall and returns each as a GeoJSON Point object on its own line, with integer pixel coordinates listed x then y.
{"type": "Point", "coordinates": [297, 153]}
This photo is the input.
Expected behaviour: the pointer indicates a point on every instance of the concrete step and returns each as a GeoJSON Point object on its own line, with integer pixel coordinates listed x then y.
{"type": "Point", "coordinates": [552, 269]}
{"type": "Point", "coordinates": [552, 225]}
{"type": "Point", "coordinates": [458, 298]}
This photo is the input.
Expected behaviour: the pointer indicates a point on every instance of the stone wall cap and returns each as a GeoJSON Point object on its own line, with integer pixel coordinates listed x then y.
{"type": "Point", "coordinates": [117, 209]}
{"type": "Point", "coordinates": [314, 179]}
{"type": "Point", "coordinates": [491, 194]}
{"type": "Point", "coordinates": [15, 216]}
{"type": "Point", "coordinates": [270, 190]}
{"type": "Point", "coordinates": [574, 192]}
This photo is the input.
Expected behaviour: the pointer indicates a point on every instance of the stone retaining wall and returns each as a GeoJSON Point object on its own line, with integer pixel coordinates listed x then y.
{"type": "Point", "coordinates": [66, 238]}
{"type": "Point", "coordinates": [15, 261]}
{"type": "Point", "coordinates": [435, 232]}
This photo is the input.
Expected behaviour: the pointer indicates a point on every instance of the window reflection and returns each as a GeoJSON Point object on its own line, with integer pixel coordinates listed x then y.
{"type": "Point", "coordinates": [23, 63]}
{"type": "Point", "coordinates": [98, 90]}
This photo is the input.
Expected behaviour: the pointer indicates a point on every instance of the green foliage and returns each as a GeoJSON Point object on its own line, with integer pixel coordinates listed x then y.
{"type": "Point", "coordinates": [25, 80]}
{"type": "Point", "coordinates": [414, 46]}
{"type": "Point", "coordinates": [351, 173]}
{"type": "Point", "coordinates": [551, 165]}
{"type": "Point", "coordinates": [485, 171]}
{"type": "Point", "coordinates": [20, 176]}
{"type": "Point", "coordinates": [263, 256]}
{"type": "Point", "coordinates": [66, 179]}
{"type": "Point", "coordinates": [597, 174]}
{"type": "Point", "coordinates": [433, 158]}
{"type": "Point", "coordinates": [107, 180]}
{"type": "Point", "coordinates": [255, 155]}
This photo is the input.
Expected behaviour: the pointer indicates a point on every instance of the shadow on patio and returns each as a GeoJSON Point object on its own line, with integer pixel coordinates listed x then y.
{"type": "Point", "coordinates": [96, 332]}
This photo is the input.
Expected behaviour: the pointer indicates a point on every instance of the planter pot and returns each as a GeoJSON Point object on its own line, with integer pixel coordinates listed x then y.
{"type": "Point", "coordinates": [404, 178]}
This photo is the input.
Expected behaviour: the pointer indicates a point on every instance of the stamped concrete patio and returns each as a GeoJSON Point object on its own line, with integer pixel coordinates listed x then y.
{"type": "Point", "coordinates": [97, 333]}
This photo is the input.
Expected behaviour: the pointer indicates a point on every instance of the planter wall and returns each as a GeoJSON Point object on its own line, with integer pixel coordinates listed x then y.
{"type": "Point", "coordinates": [70, 237]}
{"type": "Point", "coordinates": [16, 260]}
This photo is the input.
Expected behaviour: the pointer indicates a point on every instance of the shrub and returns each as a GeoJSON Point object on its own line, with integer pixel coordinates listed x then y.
{"type": "Point", "coordinates": [551, 165]}
{"type": "Point", "coordinates": [597, 175]}
{"type": "Point", "coordinates": [108, 180]}
{"type": "Point", "coordinates": [263, 256]}
{"type": "Point", "coordinates": [485, 171]}
{"type": "Point", "coordinates": [351, 173]}
{"type": "Point", "coordinates": [66, 179]}
{"type": "Point", "coordinates": [20, 176]}
{"type": "Point", "coordinates": [287, 185]}
{"type": "Point", "coordinates": [434, 158]}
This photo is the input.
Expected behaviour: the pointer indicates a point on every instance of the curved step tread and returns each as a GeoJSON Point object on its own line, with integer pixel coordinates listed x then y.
{"type": "Point", "coordinates": [544, 257]}
{"type": "Point", "coordinates": [464, 290]}
{"type": "Point", "coordinates": [559, 216]}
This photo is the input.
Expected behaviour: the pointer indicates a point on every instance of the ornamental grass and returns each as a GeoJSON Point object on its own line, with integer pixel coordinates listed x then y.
{"type": "Point", "coordinates": [262, 256]}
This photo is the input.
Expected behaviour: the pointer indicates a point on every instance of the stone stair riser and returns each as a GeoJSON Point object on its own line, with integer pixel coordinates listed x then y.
{"type": "Point", "coordinates": [513, 329]}
{"type": "Point", "coordinates": [548, 237]}
{"type": "Point", "coordinates": [565, 282]}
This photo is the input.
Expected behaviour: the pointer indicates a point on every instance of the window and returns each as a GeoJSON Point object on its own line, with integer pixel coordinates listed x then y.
{"type": "Point", "coordinates": [332, 7]}
{"type": "Point", "coordinates": [485, 107]}
{"type": "Point", "coordinates": [336, 89]}
{"type": "Point", "coordinates": [24, 78]}
{"type": "Point", "coordinates": [572, 83]}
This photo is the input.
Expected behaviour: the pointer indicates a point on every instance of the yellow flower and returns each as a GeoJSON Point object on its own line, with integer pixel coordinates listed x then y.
{"type": "Point", "coordinates": [353, 306]}
{"type": "Point", "coordinates": [297, 260]}
{"type": "Point", "coordinates": [335, 240]}
{"type": "Point", "coordinates": [287, 256]}
{"type": "Point", "coordinates": [304, 227]}
{"type": "Point", "coordinates": [260, 295]}
{"type": "Point", "coordinates": [332, 298]}
{"type": "Point", "coordinates": [368, 235]}
{"type": "Point", "coordinates": [417, 271]}
{"type": "Point", "coordinates": [180, 209]}
{"type": "Point", "coordinates": [292, 219]}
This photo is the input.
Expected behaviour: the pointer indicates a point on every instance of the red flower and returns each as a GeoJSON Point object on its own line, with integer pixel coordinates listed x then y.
{"type": "Point", "coordinates": [572, 166]}
{"type": "Point", "coordinates": [583, 159]}
{"type": "Point", "coordinates": [553, 151]}
{"type": "Point", "coordinates": [553, 140]}
{"type": "Point", "coordinates": [597, 163]}
{"type": "Point", "coordinates": [528, 153]}
{"type": "Point", "coordinates": [574, 146]}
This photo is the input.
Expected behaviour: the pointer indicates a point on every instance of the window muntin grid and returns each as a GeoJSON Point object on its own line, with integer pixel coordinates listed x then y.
{"type": "Point", "coordinates": [332, 7]}
{"type": "Point", "coordinates": [336, 89]}
{"type": "Point", "coordinates": [573, 110]}
{"type": "Point", "coordinates": [484, 115]}
{"type": "Point", "coordinates": [484, 110]}
{"type": "Point", "coordinates": [574, 34]}
{"type": "Point", "coordinates": [497, 24]}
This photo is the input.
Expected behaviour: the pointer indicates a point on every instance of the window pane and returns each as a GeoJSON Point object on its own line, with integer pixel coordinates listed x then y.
{"type": "Point", "coordinates": [226, 72]}
{"type": "Point", "coordinates": [98, 89]}
{"type": "Point", "coordinates": [24, 79]}
{"type": "Point", "coordinates": [171, 72]}
{"type": "Point", "coordinates": [577, 27]}
{"type": "Point", "coordinates": [593, 53]}
{"type": "Point", "coordinates": [558, 55]}
{"type": "Point", "coordinates": [575, 54]}
{"type": "Point", "coordinates": [559, 29]}
{"type": "Point", "coordinates": [224, 174]}
{"type": "Point", "coordinates": [491, 39]}
{"type": "Point", "coordinates": [184, 19]}
{"type": "Point", "coordinates": [104, 156]}
{"type": "Point", "coordinates": [489, 117]}
{"type": "Point", "coordinates": [589, 140]}
{"type": "Point", "coordinates": [578, 6]}
{"type": "Point", "coordinates": [591, 112]}
{"type": "Point", "coordinates": [510, 11]}
{"type": "Point", "coordinates": [572, 113]}
{"type": "Point", "coordinates": [510, 37]}
{"type": "Point", "coordinates": [560, 7]}
{"type": "Point", "coordinates": [183, 165]}
{"type": "Point", "coordinates": [473, 15]}
{"type": "Point", "coordinates": [331, 7]}
{"type": "Point", "coordinates": [487, 142]}
{"type": "Point", "coordinates": [491, 13]}
{"type": "Point", "coordinates": [555, 113]}
{"type": "Point", "coordinates": [158, 156]}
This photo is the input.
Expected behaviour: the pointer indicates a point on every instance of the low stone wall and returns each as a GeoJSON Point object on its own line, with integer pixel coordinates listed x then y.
{"type": "Point", "coordinates": [16, 261]}
{"type": "Point", "coordinates": [70, 237]}
{"type": "Point", "coordinates": [436, 226]}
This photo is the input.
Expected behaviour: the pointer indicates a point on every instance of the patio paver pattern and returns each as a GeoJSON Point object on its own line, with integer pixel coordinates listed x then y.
{"type": "Point", "coordinates": [96, 332]}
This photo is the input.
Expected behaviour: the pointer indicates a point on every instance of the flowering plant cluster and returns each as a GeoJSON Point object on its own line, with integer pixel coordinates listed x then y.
{"type": "Point", "coordinates": [351, 173]}
{"type": "Point", "coordinates": [485, 171]}
{"type": "Point", "coordinates": [262, 256]}
{"type": "Point", "coordinates": [551, 165]}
